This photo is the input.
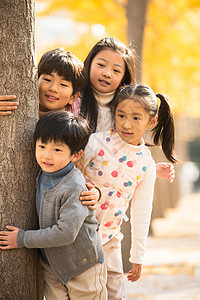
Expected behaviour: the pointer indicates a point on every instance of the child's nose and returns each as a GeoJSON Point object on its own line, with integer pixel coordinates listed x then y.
{"type": "Point", "coordinates": [127, 123]}
{"type": "Point", "coordinates": [54, 87]}
{"type": "Point", "coordinates": [107, 73]}
{"type": "Point", "coordinates": [47, 154]}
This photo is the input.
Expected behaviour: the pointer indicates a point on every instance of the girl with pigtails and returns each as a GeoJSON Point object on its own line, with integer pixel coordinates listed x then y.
{"type": "Point", "coordinates": [120, 165]}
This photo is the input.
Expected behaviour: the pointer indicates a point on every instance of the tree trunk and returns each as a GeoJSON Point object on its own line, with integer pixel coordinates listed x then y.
{"type": "Point", "coordinates": [136, 13]}
{"type": "Point", "coordinates": [18, 268]}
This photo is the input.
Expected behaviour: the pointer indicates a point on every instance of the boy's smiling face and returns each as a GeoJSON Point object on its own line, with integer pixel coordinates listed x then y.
{"type": "Point", "coordinates": [54, 92]}
{"type": "Point", "coordinates": [52, 156]}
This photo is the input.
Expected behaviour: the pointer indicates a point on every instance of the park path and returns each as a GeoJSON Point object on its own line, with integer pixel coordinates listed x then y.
{"type": "Point", "coordinates": [172, 261]}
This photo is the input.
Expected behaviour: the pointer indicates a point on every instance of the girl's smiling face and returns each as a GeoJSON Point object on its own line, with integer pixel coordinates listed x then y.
{"type": "Point", "coordinates": [107, 71]}
{"type": "Point", "coordinates": [132, 121]}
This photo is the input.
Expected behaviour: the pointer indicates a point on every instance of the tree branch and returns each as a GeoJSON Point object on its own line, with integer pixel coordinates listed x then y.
{"type": "Point", "coordinates": [121, 4]}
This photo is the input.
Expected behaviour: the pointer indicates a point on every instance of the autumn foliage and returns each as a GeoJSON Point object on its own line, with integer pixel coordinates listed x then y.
{"type": "Point", "coordinates": [171, 42]}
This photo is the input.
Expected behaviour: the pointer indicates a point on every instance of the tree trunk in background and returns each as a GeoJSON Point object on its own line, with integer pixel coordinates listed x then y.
{"type": "Point", "coordinates": [18, 268]}
{"type": "Point", "coordinates": [136, 13]}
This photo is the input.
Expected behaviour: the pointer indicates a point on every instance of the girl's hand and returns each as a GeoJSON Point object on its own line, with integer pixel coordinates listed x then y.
{"type": "Point", "coordinates": [90, 197]}
{"type": "Point", "coordinates": [166, 171]}
{"type": "Point", "coordinates": [135, 273]}
{"type": "Point", "coordinates": [6, 106]}
{"type": "Point", "coordinates": [8, 239]}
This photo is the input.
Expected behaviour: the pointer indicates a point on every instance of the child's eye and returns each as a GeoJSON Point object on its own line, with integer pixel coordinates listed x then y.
{"type": "Point", "coordinates": [41, 146]}
{"type": "Point", "coordinates": [100, 65]}
{"type": "Point", "coordinates": [63, 84]}
{"type": "Point", "coordinates": [47, 79]}
{"type": "Point", "coordinates": [121, 116]}
{"type": "Point", "coordinates": [57, 150]}
{"type": "Point", "coordinates": [136, 118]}
{"type": "Point", "coordinates": [117, 71]}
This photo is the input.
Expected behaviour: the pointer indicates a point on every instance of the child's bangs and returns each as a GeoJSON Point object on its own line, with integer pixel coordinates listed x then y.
{"type": "Point", "coordinates": [64, 70]}
{"type": "Point", "coordinates": [49, 133]}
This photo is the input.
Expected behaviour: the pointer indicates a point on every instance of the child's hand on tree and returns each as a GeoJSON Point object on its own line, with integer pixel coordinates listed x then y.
{"type": "Point", "coordinates": [135, 273]}
{"type": "Point", "coordinates": [7, 106]}
{"type": "Point", "coordinates": [8, 239]}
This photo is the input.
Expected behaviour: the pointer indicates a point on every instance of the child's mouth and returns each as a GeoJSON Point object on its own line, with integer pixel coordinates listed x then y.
{"type": "Point", "coordinates": [47, 164]}
{"type": "Point", "coordinates": [51, 98]}
{"type": "Point", "coordinates": [103, 82]}
{"type": "Point", "coordinates": [127, 133]}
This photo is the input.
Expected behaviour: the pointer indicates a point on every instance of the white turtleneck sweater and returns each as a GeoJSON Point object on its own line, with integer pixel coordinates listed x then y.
{"type": "Point", "coordinates": [105, 119]}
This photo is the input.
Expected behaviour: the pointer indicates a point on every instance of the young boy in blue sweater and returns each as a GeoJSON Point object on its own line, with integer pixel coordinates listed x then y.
{"type": "Point", "coordinates": [70, 249]}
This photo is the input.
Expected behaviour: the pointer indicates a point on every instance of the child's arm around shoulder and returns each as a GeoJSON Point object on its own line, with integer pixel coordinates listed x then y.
{"type": "Point", "coordinates": [92, 196]}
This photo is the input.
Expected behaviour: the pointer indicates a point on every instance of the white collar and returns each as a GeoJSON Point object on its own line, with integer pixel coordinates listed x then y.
{"type": "Point", "coordinates": [103, 98]}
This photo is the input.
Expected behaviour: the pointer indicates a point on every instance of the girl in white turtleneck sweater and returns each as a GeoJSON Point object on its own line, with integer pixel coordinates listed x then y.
{"type": "Point", "coordinates": [108, 67]}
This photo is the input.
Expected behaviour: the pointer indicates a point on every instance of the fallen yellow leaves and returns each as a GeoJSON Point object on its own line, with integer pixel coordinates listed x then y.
{"type": "Point", "coordinates": [175, 269]}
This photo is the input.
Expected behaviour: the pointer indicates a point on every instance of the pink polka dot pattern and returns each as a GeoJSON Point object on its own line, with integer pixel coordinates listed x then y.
{"type": "Point", "coordinates": [114, 173]}
{"type": "Point", "coordinates": [101, 153]}
{"type": "Point", "coordinates": [131, 163]}
{"type": "Point", "coordinates": [117, 170]}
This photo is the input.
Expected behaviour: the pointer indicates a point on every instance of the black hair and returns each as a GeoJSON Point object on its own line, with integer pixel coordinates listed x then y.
{"type": "Point", "coordinates": [65, 64]}
{"type": "Point", "coordinates": [164, 131]}
{"type": "Point", "coordinates": [65, 127]}
{"type": "Point", "coordinates": [89, 107]}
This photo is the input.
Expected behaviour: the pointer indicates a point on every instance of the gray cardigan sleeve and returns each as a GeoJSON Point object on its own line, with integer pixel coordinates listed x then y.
{"type": "Point", "coordinates": [72, 215]}
{"type": "Point", "coordinates": [20, 238]}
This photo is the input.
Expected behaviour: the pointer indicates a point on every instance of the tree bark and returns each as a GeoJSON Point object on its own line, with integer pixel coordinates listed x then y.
{"type": "Point", "coordinates": [136, 13]}
{"type": "Point", "coordinates": [18, 268]}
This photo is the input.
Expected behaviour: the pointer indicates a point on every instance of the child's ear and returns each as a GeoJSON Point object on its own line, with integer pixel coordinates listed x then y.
{"type": "Point", "coordinates": [74, 97]}
{"type": "Point", "coordinates": [153, 122]}
{"type": "Point", "coordinates": [77, 156]}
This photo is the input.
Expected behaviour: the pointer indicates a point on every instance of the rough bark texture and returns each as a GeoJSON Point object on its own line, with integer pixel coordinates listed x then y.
{"type": "Point", "coordinates": [136, 14]}
{"type": "Point", "coordinates": [18, 268]}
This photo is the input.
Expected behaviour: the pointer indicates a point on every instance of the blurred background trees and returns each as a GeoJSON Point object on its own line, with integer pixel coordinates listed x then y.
{"type": "Point", "coordinates": [170, 46]}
